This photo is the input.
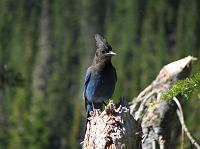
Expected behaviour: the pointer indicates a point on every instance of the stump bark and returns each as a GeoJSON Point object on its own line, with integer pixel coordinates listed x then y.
{"type": "Point", "coordinates": [111, 129]}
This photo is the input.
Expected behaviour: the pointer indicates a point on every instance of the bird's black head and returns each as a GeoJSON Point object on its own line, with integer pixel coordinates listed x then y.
{"type": "Point", "coordinates": [104, 49]}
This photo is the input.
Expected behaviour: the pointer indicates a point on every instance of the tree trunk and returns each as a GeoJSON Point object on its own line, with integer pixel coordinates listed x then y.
{"type": "Point", "coordinates": [42, 68]}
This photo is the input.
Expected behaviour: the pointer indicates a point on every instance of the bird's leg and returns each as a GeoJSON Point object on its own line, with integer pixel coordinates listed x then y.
{"type": "Point", "coordinates": [104, 103]}
{"type": "Point", "coordinates": [98, 106]}
{"type": "Point", "coordinates": [93, 106]}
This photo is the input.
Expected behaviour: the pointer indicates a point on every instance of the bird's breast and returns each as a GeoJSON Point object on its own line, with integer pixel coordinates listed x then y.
{"type": "Point", "coordinates": [101, 85]}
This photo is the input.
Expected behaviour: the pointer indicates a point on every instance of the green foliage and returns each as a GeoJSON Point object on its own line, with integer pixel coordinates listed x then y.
{"type": "Point", "coordinates": [183, 87]}
{"type": "Point", "coordinates": [9, 77]}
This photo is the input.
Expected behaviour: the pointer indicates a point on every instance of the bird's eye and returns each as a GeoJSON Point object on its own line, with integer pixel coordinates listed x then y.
{"type": "Point", "coordinates": [103, 51]}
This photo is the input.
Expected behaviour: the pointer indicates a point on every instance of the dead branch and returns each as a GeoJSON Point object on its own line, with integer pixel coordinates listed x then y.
{"type": "Point", "coordinates": [182, 121]}
{"type": "Point", "coordinates": [156, 116]}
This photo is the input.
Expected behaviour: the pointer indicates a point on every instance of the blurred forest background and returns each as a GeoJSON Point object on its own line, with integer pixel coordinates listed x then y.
{"type": "Point", "coordinates": [46, 46]}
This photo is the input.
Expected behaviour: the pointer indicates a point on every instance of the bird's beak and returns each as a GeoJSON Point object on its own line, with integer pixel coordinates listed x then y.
{"type": "Point", "coordinates": [111, 53]}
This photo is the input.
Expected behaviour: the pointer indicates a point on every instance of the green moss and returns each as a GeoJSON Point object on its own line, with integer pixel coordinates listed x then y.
{"type": "Point", "coordinates": [183, 87]}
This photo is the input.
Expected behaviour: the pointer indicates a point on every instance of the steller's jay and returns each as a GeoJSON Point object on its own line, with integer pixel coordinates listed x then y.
{"type": "Point", "coordinates": [100, 77]}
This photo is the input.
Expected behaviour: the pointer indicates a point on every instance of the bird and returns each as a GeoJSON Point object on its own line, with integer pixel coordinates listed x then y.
{"type": "Point", "coordinates": [100, 78]}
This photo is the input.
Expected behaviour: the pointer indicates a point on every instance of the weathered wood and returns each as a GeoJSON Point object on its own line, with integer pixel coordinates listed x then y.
{"type": "Point", "coordinates": [111, 129]}
{"type": "Point", "coordinates": [155, 116]}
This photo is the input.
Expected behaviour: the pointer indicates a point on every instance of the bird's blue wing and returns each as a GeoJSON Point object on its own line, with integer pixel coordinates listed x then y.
{"type": "Point", "coordinates": [88, 106]}
{"type": "Point", "coordinates": [87, 79]}
{"type": "Point", "coordinates": [87, 76]}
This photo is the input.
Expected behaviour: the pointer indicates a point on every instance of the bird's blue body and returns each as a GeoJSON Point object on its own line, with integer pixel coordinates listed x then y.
{"type": "Point", "coordinates": [100, 85]}
{"type": "Point", "coordinates": [100, 78]}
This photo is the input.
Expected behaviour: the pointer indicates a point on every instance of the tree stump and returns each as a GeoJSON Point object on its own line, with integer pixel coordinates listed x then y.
{"type": "Point", "coordinates": [111, 129]}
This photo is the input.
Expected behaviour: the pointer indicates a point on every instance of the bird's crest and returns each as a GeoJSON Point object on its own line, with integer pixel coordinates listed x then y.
{"type": "Point", "coordinates": [101, 43]}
